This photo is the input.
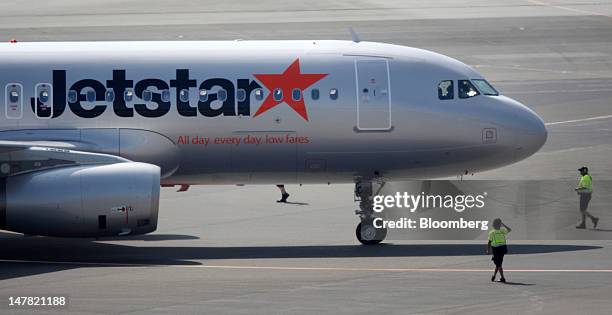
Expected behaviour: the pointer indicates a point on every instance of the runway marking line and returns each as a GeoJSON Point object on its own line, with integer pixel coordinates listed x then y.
{"type": "Point", "coordinates": [550, 5]}
{"type": "Point", "coordinates": [282, 268]}
{"type": "Point", "coordinates": [578, 120]}
{"type": "Point", "coordinates": [557, 91]}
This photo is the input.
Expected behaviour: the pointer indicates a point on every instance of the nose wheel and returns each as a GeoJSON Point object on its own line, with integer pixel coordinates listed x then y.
{"type": "Point", "coordinates": [365, 232]}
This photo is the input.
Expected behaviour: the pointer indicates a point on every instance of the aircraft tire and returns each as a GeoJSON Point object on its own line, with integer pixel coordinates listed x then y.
{"type": "Point", "coordinates": [367, 234]}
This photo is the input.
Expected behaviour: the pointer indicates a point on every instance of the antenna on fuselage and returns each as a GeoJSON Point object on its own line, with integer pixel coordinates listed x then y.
{"type": "Point", "coordinates": [354, 35]}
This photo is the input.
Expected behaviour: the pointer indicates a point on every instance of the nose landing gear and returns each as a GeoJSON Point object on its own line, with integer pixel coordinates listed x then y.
{"type": "Point", "coordinates": [366, 232]}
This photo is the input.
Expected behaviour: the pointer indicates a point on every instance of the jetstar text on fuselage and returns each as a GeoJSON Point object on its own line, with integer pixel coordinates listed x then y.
{"type": "Point", "coordinates": [157, 105]}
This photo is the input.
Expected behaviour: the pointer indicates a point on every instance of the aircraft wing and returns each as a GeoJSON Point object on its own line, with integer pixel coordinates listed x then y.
{"type": "Point", "coordinates": [18, 157]}
{"type": "Point", "coordinates": [24, 148]}
{"type": "Point", "coordinates": [9, 146]}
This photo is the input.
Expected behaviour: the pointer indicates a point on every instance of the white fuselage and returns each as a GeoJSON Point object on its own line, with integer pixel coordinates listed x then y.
{"type": "Point", "coordinates": [262, 112]}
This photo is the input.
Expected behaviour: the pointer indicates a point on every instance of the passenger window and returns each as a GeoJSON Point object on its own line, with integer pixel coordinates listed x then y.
{"type": "Point", "coordinates": [467, 89]}
{"type": "Point", "coordinates": [147, 95]}
{"type": "Point", "coordinates": [128, 95]}
{"type": "Point", "coordinates": [72, 96]}
{"type": "Point", "coordinates": [240, 95]}
{"type": "Point", "coordinates": [184, 95]}
{"type": "Point", "coordinates": [14, 102]}
{"type": "Point", "coordinates": [314, 94]}
{"type": "Point", "coordinates": [222, 95]}
{"type": "Point", "coordinates": [259, 94]}
{"type": "Point", "coordinates": [43, 96]}
{"type": "Point", "coordinates": [484, 87]}
{"type": "Point", "coordinates": [296, 94]}
{"type": "Point", "coordinates": [44, 106]}
{"type": "Point", "coordinates": [446, 90]}
{"type": "Point", "coordinates": [14, 96]}
{"type": "Point", "coordinates": [333, 94]}
{"type": "Point", "coordinates": [109, 96]}
{"type": "Point", "coordinates": [91, 96]}
{"type": "Point", "coordinates": [165, 96]}
{"type": "Point", "coordinates": [278, 95]}
{"type": "Point", "coordinates": [203, 95]}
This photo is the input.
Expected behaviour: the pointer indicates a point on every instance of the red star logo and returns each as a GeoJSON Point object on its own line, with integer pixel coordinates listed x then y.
{"type": "Point", "coordinates": [290, 79]}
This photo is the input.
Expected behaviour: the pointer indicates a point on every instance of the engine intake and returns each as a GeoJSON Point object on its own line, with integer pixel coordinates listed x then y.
{"type": "Point", "coordinates": [82, 201]}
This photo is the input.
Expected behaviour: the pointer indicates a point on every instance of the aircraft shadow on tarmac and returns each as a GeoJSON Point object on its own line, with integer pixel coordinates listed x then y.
{"type": "Point", "coordinates": [74, 253]}
{"type": "Point", "coordinates": [154, 237]}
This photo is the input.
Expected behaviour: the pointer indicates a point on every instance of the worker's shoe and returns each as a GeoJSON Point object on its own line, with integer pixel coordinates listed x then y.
{"type": "Point", "coordinates": [493, 279]}
{"type": "Point", "coordinates": [581, 226]}
{"type": "Point", "coordinates": [283, 198]}
{"type": "Point", "coordinates": [503, 280]}
{"type": "Point", "coordinates": [595, 221]}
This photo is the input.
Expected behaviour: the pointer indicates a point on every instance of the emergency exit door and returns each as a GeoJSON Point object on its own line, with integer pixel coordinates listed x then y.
{"type": "Point", "coordinates": [374, 94]}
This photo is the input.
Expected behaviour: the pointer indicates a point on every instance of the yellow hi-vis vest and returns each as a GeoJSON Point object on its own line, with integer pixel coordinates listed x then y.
{"type": "Point", "coordinates": [498, 237]}
{"type": "Point", "coordinates": [586, 183]}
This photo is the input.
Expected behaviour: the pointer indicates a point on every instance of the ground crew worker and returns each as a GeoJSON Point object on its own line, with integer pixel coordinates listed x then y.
{"type": "Point", "coordinates": [497, 242]}
{"type": "Point", "coordinates": [284, 194]}
{"type": "Point", "coordinates": [585, 190]}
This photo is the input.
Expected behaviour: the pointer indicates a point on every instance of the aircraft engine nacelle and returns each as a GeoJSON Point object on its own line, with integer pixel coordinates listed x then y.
{"type": "Point", "coordinates": [82, 201]}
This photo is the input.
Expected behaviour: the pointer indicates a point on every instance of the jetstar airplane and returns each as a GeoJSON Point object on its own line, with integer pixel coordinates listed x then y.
{"type": "Point", "coordinates": [90, 130]}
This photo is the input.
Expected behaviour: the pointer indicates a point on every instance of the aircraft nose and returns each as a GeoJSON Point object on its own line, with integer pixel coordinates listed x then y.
{"type": "Point", "coordinates": [531, 140]}
{"type": "Point", "coordinates": [530, 132]}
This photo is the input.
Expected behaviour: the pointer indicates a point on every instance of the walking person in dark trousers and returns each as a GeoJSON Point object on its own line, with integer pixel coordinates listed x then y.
{"type": "Point", "coordinates": [284, 194]}
{"type": "Point", "coordinates": [585, 191]}
{"type": "Point", "coordinates": [497, 243]}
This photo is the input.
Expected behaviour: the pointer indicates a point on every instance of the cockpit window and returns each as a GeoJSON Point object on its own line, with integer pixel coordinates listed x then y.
{"type": "Point", "coordinates": [445, 90]}
{"type": "Point", "coordinates": [467, 89]}
{"type": "Point", "coordinates": [484, 87]}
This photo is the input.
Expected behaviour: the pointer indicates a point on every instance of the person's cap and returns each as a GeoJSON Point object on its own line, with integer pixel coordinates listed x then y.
{"type": "Point", "coordinates": [584, 168]}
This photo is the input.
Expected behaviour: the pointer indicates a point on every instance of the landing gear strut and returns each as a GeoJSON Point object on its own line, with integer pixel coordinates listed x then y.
{"type": "Point", "coordinates": [366, 233]}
